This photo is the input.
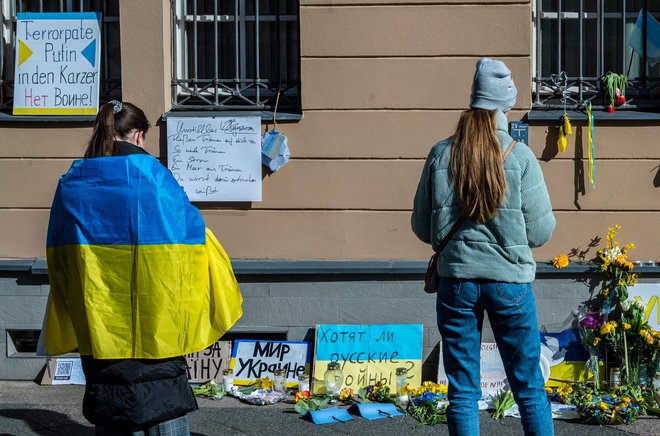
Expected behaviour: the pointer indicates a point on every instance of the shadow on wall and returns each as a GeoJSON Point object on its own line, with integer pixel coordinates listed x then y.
{"type": "Point", "coordinates": [550, 152]}
{"type": "Point", "coordinates": [656, 179]}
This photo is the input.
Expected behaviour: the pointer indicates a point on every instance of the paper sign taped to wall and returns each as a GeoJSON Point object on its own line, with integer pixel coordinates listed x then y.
{"type": "Point", "coordinates": [369, 353]}
{"type": "Point", "coordinates": [216, 158]}
{"type": "Point", "coordinates": [208, 364]}
{"type": "Point", "coordinates": [63, 371]}
{"type": "Point", "coordinates": [57, 63]}
{"type": "Point", "coordinates": [253, 359]}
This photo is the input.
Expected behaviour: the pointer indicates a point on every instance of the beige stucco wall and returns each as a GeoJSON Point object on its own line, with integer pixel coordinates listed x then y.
{"type": "Point", "coordinates": [382, 81]}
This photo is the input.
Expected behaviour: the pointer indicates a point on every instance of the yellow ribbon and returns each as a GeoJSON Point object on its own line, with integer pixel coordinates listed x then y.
{"type": "Point", "coordinates": [591, 148]}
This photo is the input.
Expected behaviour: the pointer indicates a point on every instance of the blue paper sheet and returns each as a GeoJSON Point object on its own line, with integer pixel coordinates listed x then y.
{"type": "Point", "coordinates": [330, 415]}
{"type": "Point", "coordinates": [373, 411]}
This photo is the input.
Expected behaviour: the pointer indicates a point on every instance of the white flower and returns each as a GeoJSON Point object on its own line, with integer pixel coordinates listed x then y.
{"type": "Point", "coordinates": [612, 253]}
{"type": "Point", "coordinates": [632, 302]}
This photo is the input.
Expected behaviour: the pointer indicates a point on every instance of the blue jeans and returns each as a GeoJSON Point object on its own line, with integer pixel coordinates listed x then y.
{"type": "Point", "coordinates": [512, 314]}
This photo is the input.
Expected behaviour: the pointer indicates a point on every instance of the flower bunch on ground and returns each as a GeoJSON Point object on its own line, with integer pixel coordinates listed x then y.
{"type": "Point", "coordinates": [502, 401]}
{"type": "Point", "coordinates": [559, 394]}
{"type": "Point", "coordinates": [306, 403]}
{"type": "Point", "coordinates": [347, 395]}
{"type": "Point", "coordinates": [428, 403]}
{"type": "Point", "coordinates": [376, 393]}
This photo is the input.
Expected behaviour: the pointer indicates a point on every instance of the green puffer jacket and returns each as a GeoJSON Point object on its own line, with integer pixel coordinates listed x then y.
{"type": "Point", "coordinates": [499, 249]}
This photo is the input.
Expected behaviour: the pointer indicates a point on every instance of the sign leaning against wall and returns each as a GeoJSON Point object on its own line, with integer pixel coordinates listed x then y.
{"type": "Point", "coordinates": [57, 63]}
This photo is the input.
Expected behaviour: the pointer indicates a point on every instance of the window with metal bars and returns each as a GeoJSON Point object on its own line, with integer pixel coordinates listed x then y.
{"type": "Point", "coordinates": [110, 84]}
{"type": "Point", "coordinates": [236, 55]}
{"type": "Point", "coordinates": [586, 39]}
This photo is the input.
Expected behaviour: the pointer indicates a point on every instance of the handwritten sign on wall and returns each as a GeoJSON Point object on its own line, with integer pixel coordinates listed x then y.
{"type": "Point", "coordinates": [216, 159]}
{"type": "Point", "coordinates": [57, 63]}
{"type": "Point", "coordinates": [369, 353]}
{"type": "Point", "coordinates": [208, 364]}
{"type": "Point", "coordinates": [253, 359]}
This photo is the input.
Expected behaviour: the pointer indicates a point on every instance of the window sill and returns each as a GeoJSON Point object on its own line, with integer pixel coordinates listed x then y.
{"type": "Point", "coordinates": [265, 115]}
{"type": "Point", "coordinates": [8, 118]}
{"type": "Point", "coordinates": [599, 115]}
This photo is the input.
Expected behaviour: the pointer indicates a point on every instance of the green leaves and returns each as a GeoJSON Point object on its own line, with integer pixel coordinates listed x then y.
{"type": "Point", "coordinates": [427, 413]}
{"type": "Point", "coordinates": [502, 401]}
{"type": "Point", "coordinates": [314, 403]}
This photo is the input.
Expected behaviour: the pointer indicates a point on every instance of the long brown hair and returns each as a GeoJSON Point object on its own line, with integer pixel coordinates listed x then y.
{"type": "Point", "coordinates": [110, 125]}
{"type": "Point", "coordinates": [476, 165]}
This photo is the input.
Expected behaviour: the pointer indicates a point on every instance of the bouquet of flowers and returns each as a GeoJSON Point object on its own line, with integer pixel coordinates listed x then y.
{"type": "Point", "coordinates": [589, 324]}
{"type": "Point", "coordinates": [617, 268]}
{"type": "Point", "coordinates": [377, 393]}
{"type": "Point", "coordinates": [428, 403]}
{"type": "Point", "coordinates": [614, 407]}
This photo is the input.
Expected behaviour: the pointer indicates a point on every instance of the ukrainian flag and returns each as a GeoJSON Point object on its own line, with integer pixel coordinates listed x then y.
{"type": "Point", "coordinates": [133, 271]}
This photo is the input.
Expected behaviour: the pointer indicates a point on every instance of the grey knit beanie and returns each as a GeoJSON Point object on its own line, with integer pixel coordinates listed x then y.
{"type": "Point", "coordinates": [492, 86]}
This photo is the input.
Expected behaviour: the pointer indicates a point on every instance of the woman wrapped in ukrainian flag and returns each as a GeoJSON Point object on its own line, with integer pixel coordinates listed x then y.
{"type": "Point", "coordinates": [136, 281]}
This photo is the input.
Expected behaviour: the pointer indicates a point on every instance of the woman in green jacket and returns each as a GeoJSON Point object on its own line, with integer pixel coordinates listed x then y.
{"type": "Point", "coordinates": [502, 209]}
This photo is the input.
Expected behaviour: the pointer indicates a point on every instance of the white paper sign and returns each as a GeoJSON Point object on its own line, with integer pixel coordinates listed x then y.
{"type": "Point", "coordinates": [216, 159]}
{"type": "Point", "coordinates": [253, 359]}
{"type": "Point", "coordinates": [649, 294]}
{"type": "Point", "coordinates": [57, 63]}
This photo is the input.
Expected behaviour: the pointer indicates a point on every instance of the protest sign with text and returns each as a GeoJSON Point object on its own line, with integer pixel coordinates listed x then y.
{"type": "Point", "coordinates": [253, 359]}
{"type": "Point", "coordinates": [57, 63]}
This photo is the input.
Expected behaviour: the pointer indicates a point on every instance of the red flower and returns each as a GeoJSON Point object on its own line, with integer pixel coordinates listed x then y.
{"type": "Point", "coordinates": [610, 108]}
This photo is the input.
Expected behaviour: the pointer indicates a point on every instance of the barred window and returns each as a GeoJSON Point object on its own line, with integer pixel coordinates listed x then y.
{"type": "Point", "coordinates": [110, 83]}
{"type": "Point", "coordinates": [586, 39]}
{"type": "Point", "coordinates": [236, 55]}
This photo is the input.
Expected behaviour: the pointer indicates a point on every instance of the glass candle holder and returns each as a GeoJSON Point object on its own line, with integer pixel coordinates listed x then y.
{"type": "Point", "coordinates": [227, 379]}
{"type": "Point", "coordinates": [303, 383]}
{"type": "Point", "coordinates": [401, 383]}
{"type": "Point", "coordinates": [279, 380]}
{"type": "Point", "coordinates": [333, 378]}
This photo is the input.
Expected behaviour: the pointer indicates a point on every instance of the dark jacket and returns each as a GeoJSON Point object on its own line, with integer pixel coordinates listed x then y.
{"type": "Point", "coordinates": [135, 393]}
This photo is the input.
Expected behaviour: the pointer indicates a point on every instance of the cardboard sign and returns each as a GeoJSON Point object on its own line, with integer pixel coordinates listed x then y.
{"type": "Point", "coordinates": [369, 353]}
{"type": "Point", "coordinates": [216, 159]}
{"type": "Point", "coordinates": [253, 359]}
{"type": "Point", "coordinates": [492, 369]}
{"type": "Point", "coordinates": [208, 364]}
{"type": "Point", "coordinates": [57, 63]}
{"type": "Point", "coordinates": [649, 295]}
{"type": "Point", "coordinates": [63, 371]}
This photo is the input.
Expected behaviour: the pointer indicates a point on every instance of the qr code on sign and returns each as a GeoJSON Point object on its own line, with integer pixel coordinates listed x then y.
{"type": "Point", "coordinates": [63, 370]}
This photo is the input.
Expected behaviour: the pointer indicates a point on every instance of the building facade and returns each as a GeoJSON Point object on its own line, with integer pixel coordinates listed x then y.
{"type": "Point", "coordinates": [366, 88]}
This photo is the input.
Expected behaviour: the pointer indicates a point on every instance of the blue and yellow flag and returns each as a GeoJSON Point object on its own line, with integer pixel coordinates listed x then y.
{"type": "Point", "coordinates": [133, 271]}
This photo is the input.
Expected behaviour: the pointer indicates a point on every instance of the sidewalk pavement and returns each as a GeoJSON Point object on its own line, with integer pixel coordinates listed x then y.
{"type": "Point", "coordinates": [30, 409]}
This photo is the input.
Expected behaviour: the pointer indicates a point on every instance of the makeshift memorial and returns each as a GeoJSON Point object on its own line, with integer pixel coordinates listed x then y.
{"type": "Point", "coordinates": [615, 323]}
{"type": "Point", "coordinates": [259, 397]}
{"type": "Point", "coordinates": [502, 401]}
{"type": "Point", "coordinates": [428, 404]}
{"type": "Point", "coordinates": [376, 393]}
